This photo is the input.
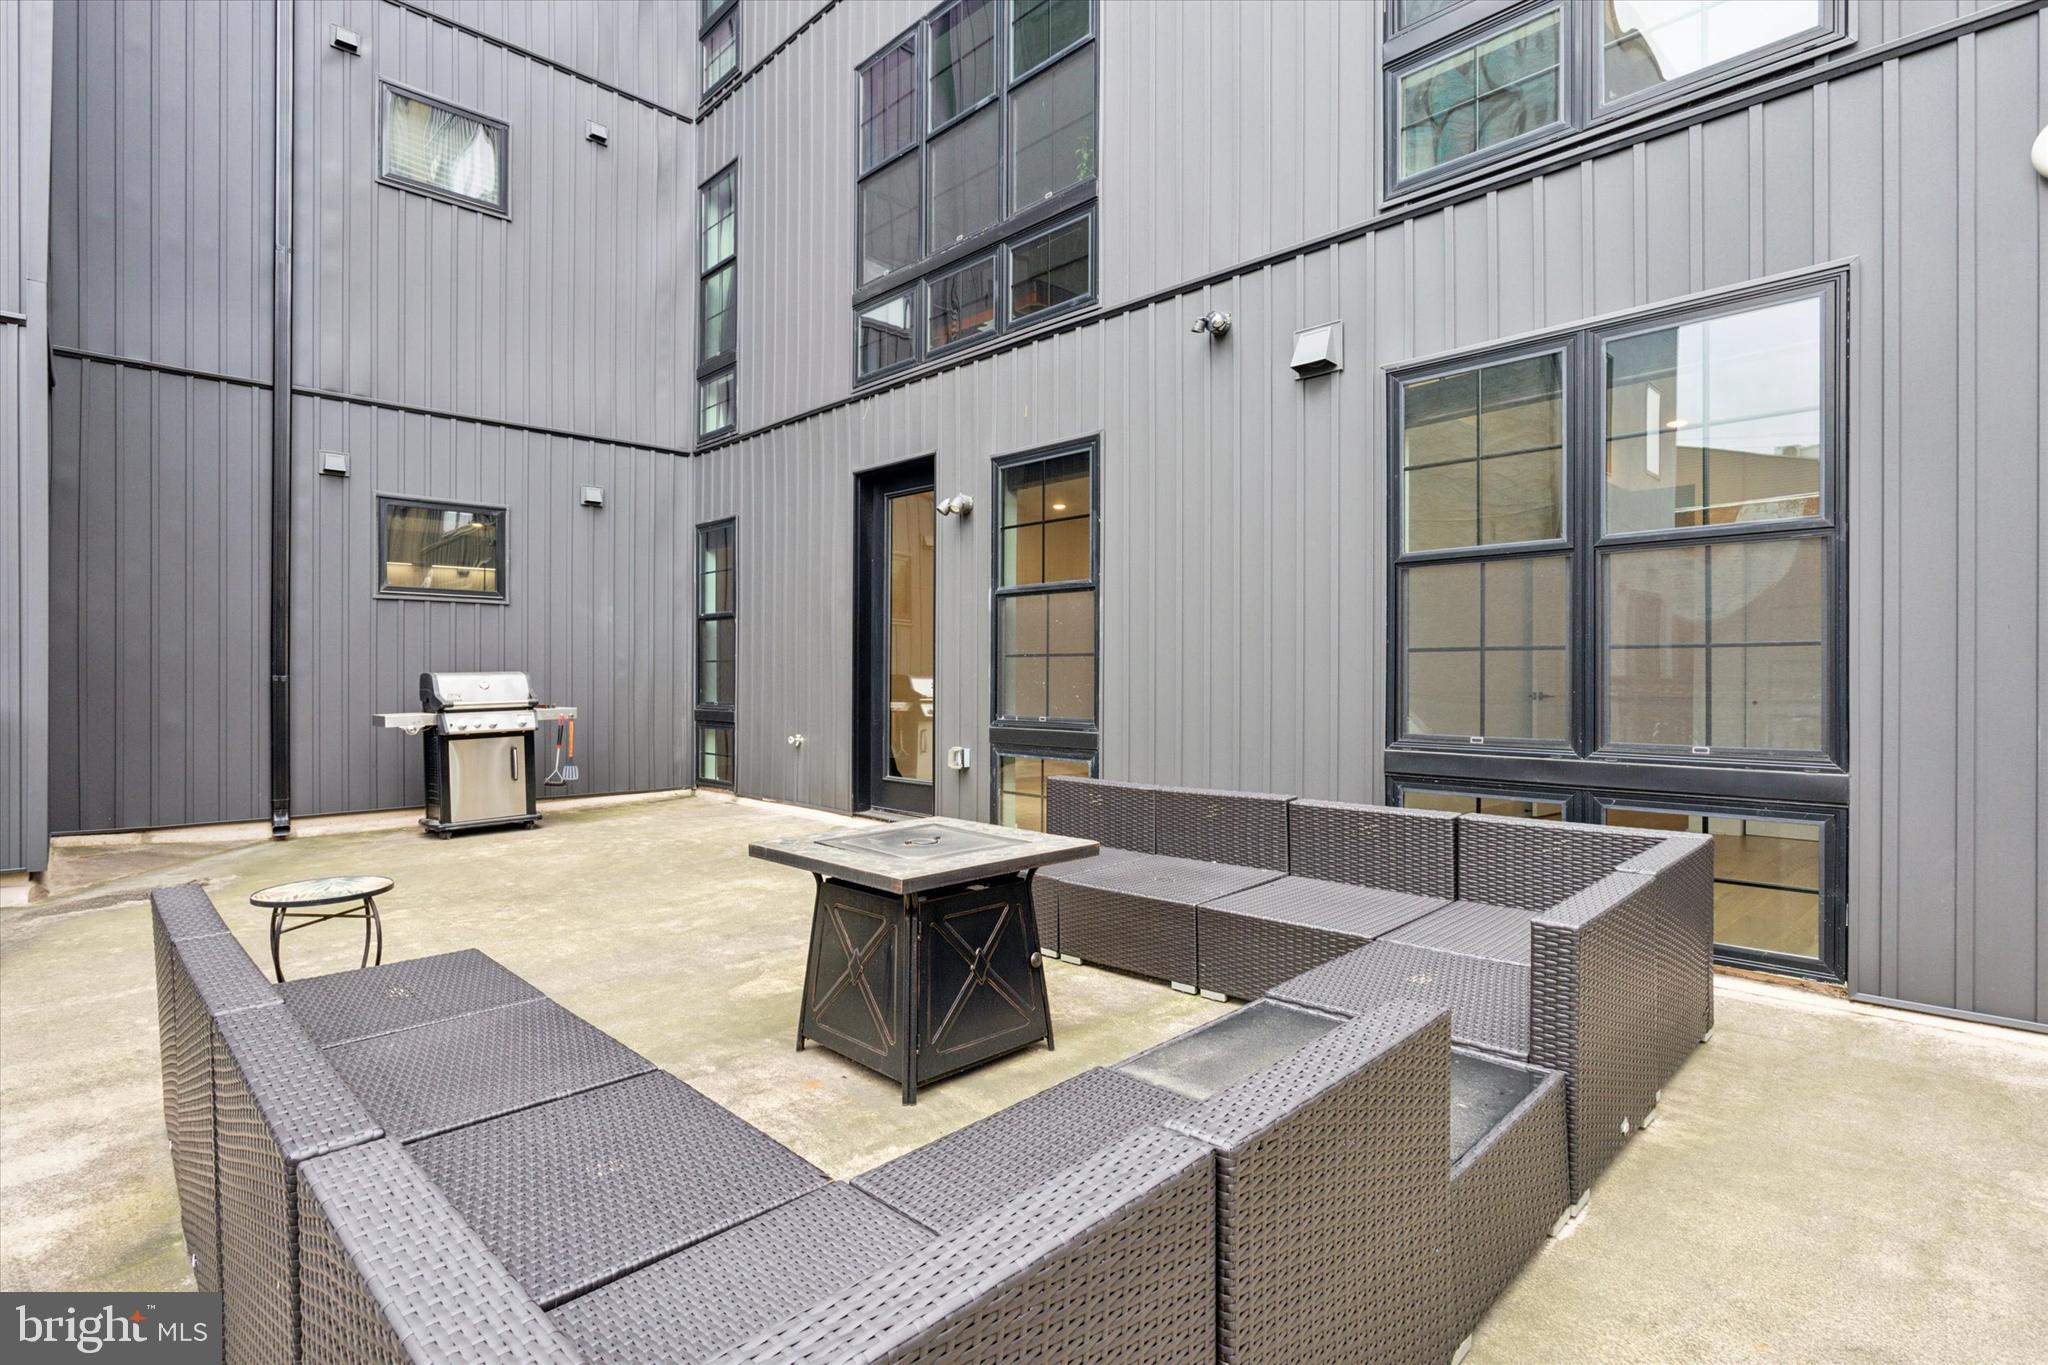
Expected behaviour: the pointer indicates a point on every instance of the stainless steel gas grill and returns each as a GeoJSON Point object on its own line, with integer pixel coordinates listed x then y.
{"type": "Point", "coordinates": [479, 730]}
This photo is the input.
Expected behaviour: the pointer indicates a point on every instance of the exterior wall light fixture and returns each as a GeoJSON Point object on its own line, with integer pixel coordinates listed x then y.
{"type": "Point", "coordinates": [1217, 325]}
{"type": "Point", "coordinates": [959, 505]}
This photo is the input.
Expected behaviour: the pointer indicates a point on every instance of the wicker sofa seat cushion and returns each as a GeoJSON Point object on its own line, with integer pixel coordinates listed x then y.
{"type": "Point", "coordinates": [1498, 933]}
{"type": "Point", "coordinates": [1105, 858]}
{"type": "Point", "coordinates": [347, 1006]}
{"type": "Point", "coordinates": [1180, 881]}
{"type": "Point", "coordinates": [948, 1183]}
{"type": "Point", "coordinates": [721, 1291]}
{"type": "Point", "coordinates": [1488, 1001]}
{"type": "Point", "coordinates": [1364, 912]}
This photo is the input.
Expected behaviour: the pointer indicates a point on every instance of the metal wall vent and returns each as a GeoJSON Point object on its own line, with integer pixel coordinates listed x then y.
{"type": "Point", "coordinates": [1318, 350]}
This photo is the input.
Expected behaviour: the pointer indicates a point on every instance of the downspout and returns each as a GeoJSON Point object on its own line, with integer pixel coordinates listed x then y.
{"type": "Point", "coordinates": [282, 167]}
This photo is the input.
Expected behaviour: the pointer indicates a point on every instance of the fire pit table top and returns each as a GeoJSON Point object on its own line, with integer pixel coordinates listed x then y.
{"type": "Point", "coordinates": [921, 855]}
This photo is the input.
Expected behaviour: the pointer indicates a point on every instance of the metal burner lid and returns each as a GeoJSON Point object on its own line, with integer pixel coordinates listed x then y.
{"type": "Point", "coordinates": [459, 691]}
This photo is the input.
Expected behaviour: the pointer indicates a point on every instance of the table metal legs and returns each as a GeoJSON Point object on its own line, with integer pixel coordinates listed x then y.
{"type": "Point", "coordinates": [365, 910]}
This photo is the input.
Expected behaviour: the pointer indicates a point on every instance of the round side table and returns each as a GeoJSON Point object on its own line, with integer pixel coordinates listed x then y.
{"type": "Point", "coordinates": [319, 900]}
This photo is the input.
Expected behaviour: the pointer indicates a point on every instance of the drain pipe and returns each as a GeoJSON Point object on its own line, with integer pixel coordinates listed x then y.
{"type": "Point", "coordinates": [283, 158]}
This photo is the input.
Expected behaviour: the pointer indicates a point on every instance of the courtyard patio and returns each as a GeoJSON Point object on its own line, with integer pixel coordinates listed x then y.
{"type": "Point", "coordinates": [1827, 1180]}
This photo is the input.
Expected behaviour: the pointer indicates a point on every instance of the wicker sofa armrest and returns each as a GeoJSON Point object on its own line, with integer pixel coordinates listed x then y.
{"type": "Point", "coordinates": [1401, 850]}
{"type": "Point", "coordinates": [1112, 1259]}
{"type": "Point", "coordinates": [1506, 1195]}
{"type": "Point", "coordinates": [1113, 814]}
{"type": "Point", "coordinates": [389, 1273]}
{"type": "Point", "coordinates": [1242, 829]}
{"type": "Point", "coordinates": [1594, 992]}
{"type": "Point", "coordinates": [277, 1104]}
{"type": "Point", "coordinates": [1534, 864]}
{"type": "Point", "coordinates": [1333, 1201]}
{"type": "Point", "coordinates": [1682, 911]}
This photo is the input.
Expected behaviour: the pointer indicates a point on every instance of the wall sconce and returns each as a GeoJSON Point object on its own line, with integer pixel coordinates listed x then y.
{"type": "Point", "coordinates": [334, 463]}
{"type": "Point", "coordinates": [1217, 325]}
{"type": "Point", "coordinates": [345, 40]}
{"type": "Point", "coordinates": [959, 505]}
{"type": "Point", "coordinates": [593, 131]}
{"type": "Point", "coordinates": [593, 496]}
{"type": "Point", "coordinates": [1318, 350]}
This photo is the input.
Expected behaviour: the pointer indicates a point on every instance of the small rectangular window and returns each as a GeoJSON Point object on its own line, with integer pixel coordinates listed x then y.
{"type": "Point", "coordinates": [714, 755]}
{"type": "Point", "coordinates": [721, 44]}
{"type": "Point", "coordinates": [1052, 130]}
{"type": "Point", "coordinates": [889, 210]}
{"type": "Point", "coordinates": [1481, 803]}
{"type": "Point", "coordinates": [1045, 609]}
{"type": "Point", "coordinates": [1486, 645]}
{"type": "Point", "coordinates": [966, 178]}
{"type": "Point", "coordinates": [1020, 785]}
{"type": "Point", "coordinates": [1406, 14]}
{"type": "Point", "coordinates": [715, 311]}
{"type": "Point", "coordinates": [445, 151]}
{"type": "Point", "coordinates": [717, 650]}
{"type": "Point", "coordinates": [886, 338]}
{"type": "Point", "coordinates": [888, 105]}
{"type": "Point", "coordinates": [962, 304]}
{"type": "Point", "coordinates": [1042, 29]}
{"type": "Point", "coordinates": [1482, 455]}
{"type": "Point", "coordinates": [433, 549]}
{"type": "Point", "coordinates": [715, 409]}
{"type": "Point", "coordinates": [1501, 87]}
{"type": "Point", "coordinates": [1648, 43]}
{"type": "Point", "coordinates": [1051, 269]}
{"type": "Point", "coordinates": [963, 59]}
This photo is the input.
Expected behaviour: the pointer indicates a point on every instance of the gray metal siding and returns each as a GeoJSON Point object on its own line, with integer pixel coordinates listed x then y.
{"type": "Point", "coordinates": [572, 314]}
{"type": "Point", "coordinates": [1244, 546]}
{"type": "Point", "coordinates": [161, 206]}
{"type": "Point", "coordinates": [597, 611]}
{"type": "Point", "coordinates": [646, 48]}
{"type": "Point", "coordinates": [159, 576]}
{"type": "Point", "coordinates": [25, 56]}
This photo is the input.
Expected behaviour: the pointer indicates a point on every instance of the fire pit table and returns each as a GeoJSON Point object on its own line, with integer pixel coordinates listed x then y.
{"type": "Point", "coordinates": [924, 957]}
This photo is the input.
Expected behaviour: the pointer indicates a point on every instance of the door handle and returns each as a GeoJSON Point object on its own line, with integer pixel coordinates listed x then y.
{"type": "Point", "coordinates": [512, 752]}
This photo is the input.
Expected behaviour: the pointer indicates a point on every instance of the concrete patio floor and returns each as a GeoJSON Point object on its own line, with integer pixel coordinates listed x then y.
{"type": "Point", "coordinates": [1828, 1181]}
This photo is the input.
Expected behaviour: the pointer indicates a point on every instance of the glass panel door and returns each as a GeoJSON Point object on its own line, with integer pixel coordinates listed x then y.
{"type": "Point", "coordinates": [911, 528]}
{"type": "Point", "coordinates": [897, 609]}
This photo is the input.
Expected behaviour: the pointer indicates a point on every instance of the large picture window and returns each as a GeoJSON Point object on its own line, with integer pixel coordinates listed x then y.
{"type": "Point", "coordinates": [717, 650]}
{"type": "Point", "coordinates": [977, 162]}
{"type": "Point", "coordinates": [438, 549]}
{"type": "Point", "coordinates": [1470, 85]}
{"type": "Point", "coordinates": [1046, 628]}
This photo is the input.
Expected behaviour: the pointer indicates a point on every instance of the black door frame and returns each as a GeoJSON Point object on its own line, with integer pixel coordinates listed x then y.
{"type": "Point", "coordinates": [872, 790]}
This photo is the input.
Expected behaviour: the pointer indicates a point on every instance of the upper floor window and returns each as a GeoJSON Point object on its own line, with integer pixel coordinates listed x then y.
{"type": "Point", "coordinates": [717, 650]}
{"type": "Point", "coordinates": [437, 149]}
{"type": "Point", "coordinates": [719, 34]}
{"type": "Point", "coordinates": [717, 300]}
{"type": "Point", "coordinates": [977, 132]}
{"type": "Point", "coordinates": [1471, 81]}
{"type": "Point", "coordinates": [434, 549]}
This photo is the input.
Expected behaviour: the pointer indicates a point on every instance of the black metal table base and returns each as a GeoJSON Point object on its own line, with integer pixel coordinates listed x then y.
{"type": "Point", "coordinates": [924, 985]}
{"type": "Point", "coordinates": [364, 910]}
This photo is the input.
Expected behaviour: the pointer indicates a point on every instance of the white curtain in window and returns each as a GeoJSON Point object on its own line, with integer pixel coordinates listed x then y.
{"type": "Point", "coordinates": [438, 147]}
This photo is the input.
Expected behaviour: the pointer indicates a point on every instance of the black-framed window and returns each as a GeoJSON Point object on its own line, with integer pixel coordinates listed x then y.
{"type": "Point", "coordinates": [1047, 632]}
{"type": "Point", "coordinates": [431, 147]}
{"type": "Point", "coordinates": [1625, 543]}
{"type": "Point", "coordinates": [977, 160]}
{"type": "Point", "coordinates": [718, 34]}
{"type": "Point", "coordinates": [1780, 869]}
{"type": "Point", "coordinates": [717, 301]}
{"type": "Point", "coordinates": [717, 649]}
{"type": "Point", "coordinates": [440, 550]}
{"type": "Point", "coordinates": [1472, 83]}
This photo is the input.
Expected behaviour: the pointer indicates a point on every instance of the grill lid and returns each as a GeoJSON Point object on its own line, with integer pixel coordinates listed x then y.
{"type": "Point", "coordinates": [470, 691]}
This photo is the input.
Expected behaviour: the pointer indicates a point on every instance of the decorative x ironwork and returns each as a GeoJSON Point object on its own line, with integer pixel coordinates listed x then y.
{"type": "Point", "coordinates": [856, 973]}
{"type": "Point", "coordinates": [979, 973]}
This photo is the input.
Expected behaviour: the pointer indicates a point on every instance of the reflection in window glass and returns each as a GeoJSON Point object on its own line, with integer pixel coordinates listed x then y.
{"type": "Point", "coordinates": [1474, 803]}
{"type": "Point", "coordinates": [1408, 13]}
{"type": "Point", "coordinates": [714, 404]}
{"type": "Point", "coordinates": [962, 304]}
{"type": "Point", "coordinates": [888, 105]}
{"type": "Point", "coordinates": [1767, 874]}
{"type": "Point", "coordinates": [441, 549]}
{"type": "Point", "coordinates": [443, 150]}
{"type": "Point", "coordinates": [1486, 648]}
{"type": "Point", "coordinates": [1052, 130]}
{"type": "Point", "coordinates": [715, 312]}
{"type": "Point", "coordinates": [1716, 422]}
{"type": "Point", "coordinates": [1046, 522]}
{"type": "Point", "coordinates": [1049, 270]}
{"type": "Point", "coordinates": [885, 335]}
{"type": "Point", "coordinates": [1483, 456]}
{"type": "Point", "coordinates": [1648, 42]}
{"type": "Point", "coordinates": [716, 210]}
{"type": "Point", "coordinates": [715, 662]}
{"type": "Point", "coordinates": [966, 178]}
{"type": "Point", "coordinates": [1047, 647]}
{"type": "Point", "coordinates": [889, 238]}
{"type": "Point", "coordinates": [714, 755]}
{"type": "Point", "coordinates": [1498, 89]}
{"type": "Point", "coordinates": [963, 58]}
{"type": "Point", "coordinates": [1039, 28]}
{"type": "Point", "coordinates": [714, 570]}
{"type": "Point", "coordinates": [912, 534]}
{"type": "Point", "coordinates": [1020, 786]}
{"type": "Point", "coordinates": [722, 51]}
{"type": "Point", "coordinates": [1721, 645]}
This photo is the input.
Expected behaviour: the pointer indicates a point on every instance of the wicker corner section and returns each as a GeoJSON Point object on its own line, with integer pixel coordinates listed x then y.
{"type": "Point", "coordinates": [1402, 850]}
{"type": "Point", "coordinates": [1534, 864]}
{"type": "Point", "coordinates": [1332, 1196]}
{"type": "Point", "coordinates": [1113, 1259]}
{"type": "Point", "coordinates": [1242, 829]}
{"type": "Point", "coordinates": [185, 911]}
{"type": "Point", "coordinates": [1506, 1195]}
{"type": "Point", "coordinates": [1681, 869]}
{"type": "Point", "coordinates": [1113, 814]}
{"type": "Point", "coordinates": [391, 1274]}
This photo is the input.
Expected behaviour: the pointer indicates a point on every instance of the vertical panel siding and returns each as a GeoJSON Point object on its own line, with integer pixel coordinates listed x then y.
{"type": "Point", "coordinates": [162, 197]}
{"type": "Point", "coordinates": [646, 48]}
{"type": "Point", "coordinates": [573, 313]}
{"type": "Point", "coordinates": [158, 579]}
{"type": "Point", "coordinates": [596, 599]}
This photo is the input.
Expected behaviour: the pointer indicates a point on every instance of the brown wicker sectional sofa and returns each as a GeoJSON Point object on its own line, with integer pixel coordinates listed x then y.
{"type": "Point", "coordinates": [430, 1160]}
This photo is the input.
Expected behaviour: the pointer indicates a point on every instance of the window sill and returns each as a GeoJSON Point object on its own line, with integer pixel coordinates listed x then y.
{"type": "Point", "coordinates": [473, 598]}
{"type": "Point", "coordinates": [960, 353]}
